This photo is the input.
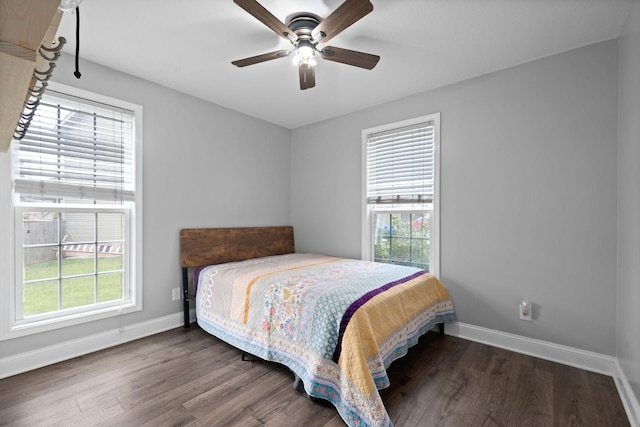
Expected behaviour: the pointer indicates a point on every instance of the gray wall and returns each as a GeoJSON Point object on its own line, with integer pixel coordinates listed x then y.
{"type": "Point", "coordinates": [204, 166]}
{"type": "Point", "coordinates": [528, 193]}
{"type": "Point", "coordinates": [628, 330]}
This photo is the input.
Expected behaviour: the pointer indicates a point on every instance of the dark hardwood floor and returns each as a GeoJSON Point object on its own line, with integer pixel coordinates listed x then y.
{"type": "Point", "coordinates": [189, 378]}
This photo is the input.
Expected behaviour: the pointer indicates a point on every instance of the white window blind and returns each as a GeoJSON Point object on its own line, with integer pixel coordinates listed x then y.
{"type": "Point", "coordinates": [400, 165]}
{"type": "Point", "coordinates": [78, 149]}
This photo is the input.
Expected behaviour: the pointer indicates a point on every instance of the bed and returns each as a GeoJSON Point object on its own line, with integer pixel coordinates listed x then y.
{"type": "Point", "coordinates": [336, 323]}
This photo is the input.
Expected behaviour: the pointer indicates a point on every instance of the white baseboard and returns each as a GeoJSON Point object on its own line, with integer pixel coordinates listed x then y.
{"type": "Point", "coordinates": [590, 361]}
{"type": "Point", "coordinates": [35, 359]}
{"type": "Point", "coordinates": [629, 399]}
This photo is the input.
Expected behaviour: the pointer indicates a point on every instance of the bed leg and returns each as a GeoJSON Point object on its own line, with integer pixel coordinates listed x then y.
{"type": "Point", "coordinates": [185, 297]}
{"type": "Point", "coordinates": [441, 329]}
{"type": "Point", "coordinates": [298, 385]}
{"type": "Point", "coordinates": [248, 357]}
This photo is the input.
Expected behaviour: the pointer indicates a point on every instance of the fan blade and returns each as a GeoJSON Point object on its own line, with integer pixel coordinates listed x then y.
{"type": "Point", "coordinates": [350, 57]}
{"type": "Point", "coordinates": [307, 76]}
{"type": "Point", "coordinates": [345, 15]}
{"type": "Point", "coordinates": [261, 58]}
{"type": "Point", "coordinates": [263, 15]}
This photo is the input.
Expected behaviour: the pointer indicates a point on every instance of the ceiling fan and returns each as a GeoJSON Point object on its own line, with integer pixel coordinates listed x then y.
{"type": "Point", "coordinates": [306, 31]}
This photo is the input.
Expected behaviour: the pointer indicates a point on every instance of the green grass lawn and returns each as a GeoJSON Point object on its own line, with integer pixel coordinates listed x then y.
{"type": "Point", "coordinates": [42, 297]}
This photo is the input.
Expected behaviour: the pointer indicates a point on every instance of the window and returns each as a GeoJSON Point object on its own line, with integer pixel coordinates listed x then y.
{"type": "Point", "coordinates": [400, 220]}
{"type": "Point", "coordinates": [76, 192]}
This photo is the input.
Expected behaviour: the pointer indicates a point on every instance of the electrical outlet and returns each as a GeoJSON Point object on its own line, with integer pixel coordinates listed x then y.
{"type": "Point", "coordinates": [175, 294]}
{"type": "Point", "coordinates": [525, 310]}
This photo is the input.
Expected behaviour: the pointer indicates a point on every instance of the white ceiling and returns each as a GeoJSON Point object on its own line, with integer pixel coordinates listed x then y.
{"type": "Point", "coordinates": [188, 45]}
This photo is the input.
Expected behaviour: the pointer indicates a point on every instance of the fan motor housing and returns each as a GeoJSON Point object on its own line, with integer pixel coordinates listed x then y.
{"type": "Point", "coordinates": [303, 23]}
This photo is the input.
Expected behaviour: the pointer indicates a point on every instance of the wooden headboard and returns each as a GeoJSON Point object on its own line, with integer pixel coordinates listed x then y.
{"type": "Point", "coordinates": [206, 246]}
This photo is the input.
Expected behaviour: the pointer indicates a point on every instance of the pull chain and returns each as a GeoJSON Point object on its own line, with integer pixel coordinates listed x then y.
{"type": "Point", "coordinates": [77, 71]}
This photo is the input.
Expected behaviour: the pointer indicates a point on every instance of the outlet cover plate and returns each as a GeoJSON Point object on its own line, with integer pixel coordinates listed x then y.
{"type": "Point", "coordinates": [525, 310]}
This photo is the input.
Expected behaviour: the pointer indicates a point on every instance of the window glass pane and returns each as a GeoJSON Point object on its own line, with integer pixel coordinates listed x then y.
{"type": "Point", "coordinates": [420, 254]}
{"type": "Point", "coordinates": [40, 297]}
{"type": "Point", "coordinates": [382, 249]}
{"type": "Point", "coordinates": [40, 228]}
{"type": "Point", "coordinates": [400, 224]}
{"type": "Point", "coordinates": [109, 263]}
{"type": "Point", "coordinates": [41, 263]}
{"type": "Point", "coordinates": [383, 226]}
{"type": "Point", "coordinates": [401, 250]}
{"type": "Point", "coordinates": [110, 241]}
{"type": "Point", "coordinates": [77, 291]}
{"type": "Point", "coordinates": [79, 227]}
{"type": "Point", "coordinates": [111, 227]}
{"type": "Point", "coordinates": [76, 265]}
{"type": "Point", "coordinates": [78, 248]}
{"type": "Point", "coordinates": [421, 223]}
{"type": "Point", "coordinates": [110, 286]}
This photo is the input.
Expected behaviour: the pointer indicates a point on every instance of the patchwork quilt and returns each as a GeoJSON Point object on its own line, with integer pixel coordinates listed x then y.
{"type": "Point", "coordinates": [337, 323]}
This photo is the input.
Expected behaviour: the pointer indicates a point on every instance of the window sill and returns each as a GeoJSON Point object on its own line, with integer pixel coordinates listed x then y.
{"type": "Point", "coordinates": [35, 327]}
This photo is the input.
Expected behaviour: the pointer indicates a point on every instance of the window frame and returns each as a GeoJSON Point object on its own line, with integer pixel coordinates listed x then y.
{"type": "Point", "coordinates": [367, 248]}
{"type": "Point", "coordinates": [12, 209]}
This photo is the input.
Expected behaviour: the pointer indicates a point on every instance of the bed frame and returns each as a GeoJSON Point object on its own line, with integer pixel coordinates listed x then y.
{"type": "Point", "coordinates": [207, 246]}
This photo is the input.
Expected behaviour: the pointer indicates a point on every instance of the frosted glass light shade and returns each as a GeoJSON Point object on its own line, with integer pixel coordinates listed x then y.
{"type": "Point", "coordinates": [69, 5]}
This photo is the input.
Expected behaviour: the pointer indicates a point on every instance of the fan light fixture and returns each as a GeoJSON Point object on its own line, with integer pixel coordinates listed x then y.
{"type": "Point", "coordinates": [305, 56]}
{"type": "Point", "coordinates": [69, 5]}
{"type": "Point", "coordinates": [305, 31]}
